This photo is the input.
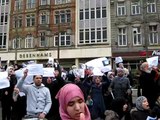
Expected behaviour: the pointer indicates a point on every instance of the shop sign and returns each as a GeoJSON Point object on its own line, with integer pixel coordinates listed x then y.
{"type": "Point", "coordinates": [35, 55]}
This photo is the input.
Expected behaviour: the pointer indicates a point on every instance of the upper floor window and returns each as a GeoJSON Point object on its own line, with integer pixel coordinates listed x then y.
{"type": "Point", "coordinates": [4, 18]}
{"type": "Point", "coordinates": [18, 5]}
{"type": "Point", "coordinates": [136, 33]}
{"type": "Point", "coordinates": [4, 2]}
{"type": "Point", "coordinates": [62, 16]}
{"type": "Point", "coordinates": [81, 14]}
{"type": "Point", "coordinates": [3, 39]}
{"type": "Point", "coordinates": [29, 41]}
{"type": "Point", "coordinates": [45, 2]}
{"type": "Point", "coordinates": [31, 4]}
{"type": "Point", "coordinates": [43, 41]}
{"type": "Point", "coordinates": [93, 35]}
{"type": "Point", "coordinates": [44, 18]}
{"type": "Point", "coordinates": [16, 43]}
{"type": "Point", "coordinates": [153, 35]}
{"type": "Point", "coordinates": [30, 20]}
{"type": "Point", "coordinates": [62, 1]}
{"type": "Point", "coordinates": [151, 6]}
{"type": "Point", "coordinates": [122, 37]}
{"type": "Point", "coordinates": [135, 8]}
{"type": "Point", "coordinates": [64, 39]}
{"type": "Point", "coordinates": [17, 22]}
{"type": "Point", "coordinates": [121, 9]}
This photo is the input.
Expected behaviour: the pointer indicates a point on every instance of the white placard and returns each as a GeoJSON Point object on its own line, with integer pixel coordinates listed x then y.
{"type": "Point", "coordinates": [4, 82]}
{"type": "Point", "coordinates": [51, 61]}
{"type": "Point", "coordinates": [97, 72]}
{"type": "Point", "coordinates": [35, 69]}
{"type": "Point", "coordinates": [118, 60]}
{"type": "Point", "coordinates": [48, 72]}
{"type": "Point", "coordinates": [98, 63]}
{"type": "Point", "coordinates": [152, 61]}
{"type": "Point", "coordinates": [106, 68]}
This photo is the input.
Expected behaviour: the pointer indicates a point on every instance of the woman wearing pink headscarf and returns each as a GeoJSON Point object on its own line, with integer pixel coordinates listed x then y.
{"type": "Point", "coordinates": [72, 103]}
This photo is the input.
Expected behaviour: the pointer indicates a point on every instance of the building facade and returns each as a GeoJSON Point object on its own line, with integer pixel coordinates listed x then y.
{"type": "Point", "coordinates": [40, 29]}
{"type": "Point", "coordinates": [135, 29]}
{"type": "Point", "coordinates": [4, 25]}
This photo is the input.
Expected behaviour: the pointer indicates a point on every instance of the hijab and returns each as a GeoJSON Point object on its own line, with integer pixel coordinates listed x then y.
{"type": "Point", "coordinates": [66, 94]}
{"type": "Point", "coordinates": [139, 102]}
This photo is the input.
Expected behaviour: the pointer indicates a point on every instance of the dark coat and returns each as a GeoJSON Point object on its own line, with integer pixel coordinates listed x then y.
{"type": "Point", "coordinates": [148, 86]}
{"type": "Point", "coordinates": [139, 115]}
{"type": "Point", "coordinates": [54, 87]}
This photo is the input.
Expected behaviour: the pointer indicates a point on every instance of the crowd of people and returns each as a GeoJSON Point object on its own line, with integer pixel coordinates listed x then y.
{"type": "Point", "coordinates": [68, 96]}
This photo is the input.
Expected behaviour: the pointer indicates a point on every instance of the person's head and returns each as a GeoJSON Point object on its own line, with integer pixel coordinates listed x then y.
{"type": "Point", "coordinates": [110, 75]}
{"type": "Point", "coordinates": [72, 104]}
{"type": "Point", "coordinates": [120, 65]}
{"type": "Point", "coordinates": [37, 80]}
{"type": "Point", "coordinates": [120, 72]}
{"type": "Point", "coordinates": [142, 103]}
{"type": "Point", "coordinates": [97, 79]}
{"type": "Point", "coordinates": [120, 106]}
{"type": "Point", "coordinates": [10, 70]}
{"type": "Point", "coordinates": [145, 67]}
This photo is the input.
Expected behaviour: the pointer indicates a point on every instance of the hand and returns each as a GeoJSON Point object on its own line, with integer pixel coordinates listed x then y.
{"type": "Point", "coordinates": [42, 115]}
{"type": "Point", "coordinates": [16, 90]}
{"type": "Point", "coordinates": [25, 73]}
{"type": "Point", "coordinates": [82, 116]}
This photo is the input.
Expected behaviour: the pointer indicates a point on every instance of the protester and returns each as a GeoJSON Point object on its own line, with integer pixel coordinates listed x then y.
{"type": "Point", "coordinates": [6, 97]}
{"type": "Point", "coordinates": [72, 103]}
{"type": "Point", "coordinates": [142, 110]}
{"type": "Point", "coordinates": [96, 93]}
{"type": "Point", "coordinates": [148, 84]}
{"type": "Point", "coordinates": [121, 109]}
{"type": "Point", "coordinates": [120, 85]}
{"type": "Point", "coordinates": [54, 84]}
{"type": "Point", "coordinates": [38, 97]}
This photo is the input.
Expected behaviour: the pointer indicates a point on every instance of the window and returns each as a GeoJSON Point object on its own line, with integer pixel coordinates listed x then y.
{"type": "Point", "coordinates": [98, 34]}
{"type": "Point", "coordinates": [63, 16]}
{"type": "Point", "coordinates": [136, 34]}
{"type": "Point", "coordinates": [104, 12]}
{"type": "Point", "coordinates": [4, 18]}
{"type": "Point", "coordinates": [62, 1]}
{"type": "Point", "coordinates": [4, 2]}
{"type": "Point", "coordinates": [81, 14]}
{"type": "Point", "coordinates": [3, 38]}
{"type": "Point", "coordinates": [121, 9]}
{"type": "Point", "coordinates": [64, 39]}
{"type": "Point", "coordinates": [18, 22]}
{"type": "Point", "coordinates": [30, 20]}
{"type": "Point", "coordinates": [81, 34]}
{"type": "Point", "coordinates": [153, 36]}
{"type": "Point", "coordinates": [16, 43]}
{"type": "Point", "coordinates": [31, 4]}
{"type": "Point", "coordinates": [45, 2]}
{"type": "Point", "coordinates": [122, 37]}
{"type": "Point", "coordinates": [151, 6]}
{"type": "Point", "coordinates": [92, 13]}
{"type": "Point", "coordinates": [42, 39]}
{"type": "Point", "coordinates": [44, 18]}
{"type": "Point", "coordinates": [98, 12]}
{"type": "Point", "coordinates": [29, 41]}
{"type": "Point", "coordinates": [104, 34]}
{"type": "Point", "coordinates": [93, 35]}
{"type": "Point", "coordinates": [18, 4]}
{"type": "Point", "coordinates": [86, 35]}
{"type": "Point", "coordinates": [86, 13]}
{"type": "Point", "coordinates": [135, 8]}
